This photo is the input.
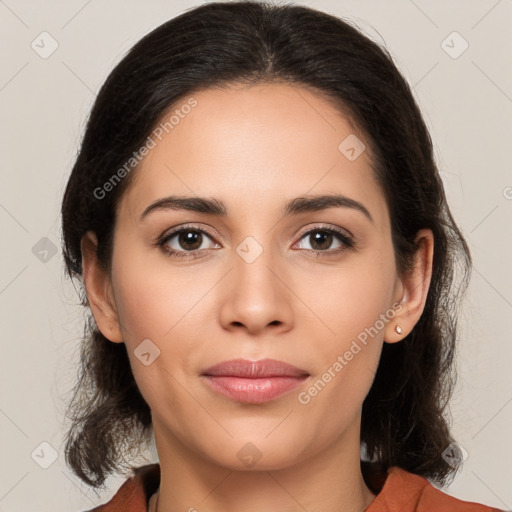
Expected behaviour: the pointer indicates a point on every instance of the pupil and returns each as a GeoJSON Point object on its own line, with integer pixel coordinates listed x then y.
{"type": "Point", "coordinates": [320, 237]}
{"type": "Point", "coordinates": [186, 239]}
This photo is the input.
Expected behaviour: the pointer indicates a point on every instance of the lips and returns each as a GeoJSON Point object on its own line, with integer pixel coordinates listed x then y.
{"type": "Point", "coordinates": [255, 369]}
{"type": "Point", "coordinates": [253, 381]}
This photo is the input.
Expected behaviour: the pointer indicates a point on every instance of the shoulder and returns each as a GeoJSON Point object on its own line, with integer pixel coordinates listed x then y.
{"type": "Point", "coordinates": [408, 492]}
{"type": "Point", "coordinates": [135, 492]}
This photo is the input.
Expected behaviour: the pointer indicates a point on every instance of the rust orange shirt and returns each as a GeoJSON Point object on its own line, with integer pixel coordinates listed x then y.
{"type": "Point", "coordinates": [401, 492]}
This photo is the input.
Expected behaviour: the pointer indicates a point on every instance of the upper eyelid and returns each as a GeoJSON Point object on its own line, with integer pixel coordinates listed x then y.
{"type": "Point", "coordinates": [326, 227]}
{"type": "Point", "coordinates": [174, 231]}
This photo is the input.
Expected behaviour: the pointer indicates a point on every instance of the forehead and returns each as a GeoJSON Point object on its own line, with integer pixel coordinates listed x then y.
{"type": "Point", "coordinates": [255, 147]}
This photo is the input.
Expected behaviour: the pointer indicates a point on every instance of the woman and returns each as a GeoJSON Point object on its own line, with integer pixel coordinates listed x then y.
{"type": "Point", "coordinates": [267, 253]}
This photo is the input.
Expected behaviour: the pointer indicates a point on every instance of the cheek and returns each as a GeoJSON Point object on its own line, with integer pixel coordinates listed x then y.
{"type": "Point", "coordinates": [350, 298]}
{"type": "Point", "coordinates": [144, 311]}
{"type": "Point", "coordinates": [151, 307]}
{"type": "Point", "coordinates": [164, 305]}
{"type": "Point", "coordinates": [351, 304]}
{"type": "Point", "coordinates": [151, 297]}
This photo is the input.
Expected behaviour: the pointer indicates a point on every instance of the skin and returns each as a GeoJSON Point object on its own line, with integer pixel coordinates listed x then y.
{"type": "Point", "coordinates": [255, 149]}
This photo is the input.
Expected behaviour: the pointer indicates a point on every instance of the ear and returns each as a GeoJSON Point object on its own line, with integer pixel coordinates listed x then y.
{"type": "Point", "coordinates": [99, 290]}
{"type": "Point", "coordinates": [414, 285]}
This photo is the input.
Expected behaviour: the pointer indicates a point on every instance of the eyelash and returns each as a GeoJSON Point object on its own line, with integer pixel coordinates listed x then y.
{"type": "Point", "coordinates": [162, 241]}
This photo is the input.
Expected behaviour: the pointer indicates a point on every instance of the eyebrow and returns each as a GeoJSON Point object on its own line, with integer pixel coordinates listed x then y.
{"type": "Point", "coordinates": [212, 206]}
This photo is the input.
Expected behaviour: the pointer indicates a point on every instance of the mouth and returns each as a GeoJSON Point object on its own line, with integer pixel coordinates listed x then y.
{"type": "Point", "coordinates": [253, 381]}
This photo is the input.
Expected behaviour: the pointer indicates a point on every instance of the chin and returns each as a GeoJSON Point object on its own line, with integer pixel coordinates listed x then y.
{"type": "Point", "coordinates": [255, 453]}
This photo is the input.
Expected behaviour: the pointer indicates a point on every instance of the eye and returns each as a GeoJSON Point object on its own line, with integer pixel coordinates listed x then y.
{"type": "Point", "coordinates": [321, 240]}
{"type": "Point", "coordinates": [190, 242]}
{"type": "Point", "coordinates": [185, 242]}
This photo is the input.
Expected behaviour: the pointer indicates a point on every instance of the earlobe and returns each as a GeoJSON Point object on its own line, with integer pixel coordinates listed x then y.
{"type": "Point", "coordinates": [415, 286]}
{"type": "Point", "coordinates": [99, 290]}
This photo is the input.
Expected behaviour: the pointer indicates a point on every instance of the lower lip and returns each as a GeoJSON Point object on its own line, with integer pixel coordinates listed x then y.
{"type": "Point", "coordinates": [252, 391]}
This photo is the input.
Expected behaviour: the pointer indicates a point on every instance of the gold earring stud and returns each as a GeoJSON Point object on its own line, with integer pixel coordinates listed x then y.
{"type": "Point", "coordinates": [398, 329]}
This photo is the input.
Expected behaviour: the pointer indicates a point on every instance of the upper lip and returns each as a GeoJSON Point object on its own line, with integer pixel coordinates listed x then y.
{"type": "Point", "coordinates": [255, 369]}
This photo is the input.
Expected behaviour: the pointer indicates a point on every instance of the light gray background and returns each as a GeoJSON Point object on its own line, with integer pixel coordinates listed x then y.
{"type": "Point", "coordinates": [467, 103]}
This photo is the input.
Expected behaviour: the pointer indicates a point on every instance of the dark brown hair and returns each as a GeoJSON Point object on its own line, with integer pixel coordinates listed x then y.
{"type": "Point", "coordinates": [222, 43]}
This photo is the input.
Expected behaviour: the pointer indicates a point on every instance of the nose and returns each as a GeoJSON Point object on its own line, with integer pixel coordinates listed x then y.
{"type": "Point", "coordinates": [255, 297]}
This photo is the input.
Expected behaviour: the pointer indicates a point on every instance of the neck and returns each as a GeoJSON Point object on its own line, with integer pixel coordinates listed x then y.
{"type": "Point", "coordinates": [327, 481]}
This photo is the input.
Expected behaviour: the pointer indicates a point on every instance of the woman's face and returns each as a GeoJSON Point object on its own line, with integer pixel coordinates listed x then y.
{"type": "Point", "coordinates": [264, 280]}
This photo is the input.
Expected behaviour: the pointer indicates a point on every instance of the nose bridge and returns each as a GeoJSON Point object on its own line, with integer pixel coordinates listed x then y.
{"type": "Point", "coordinates": [256, 295]}
{"type": "Point", "coordinates": [254, 259]}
